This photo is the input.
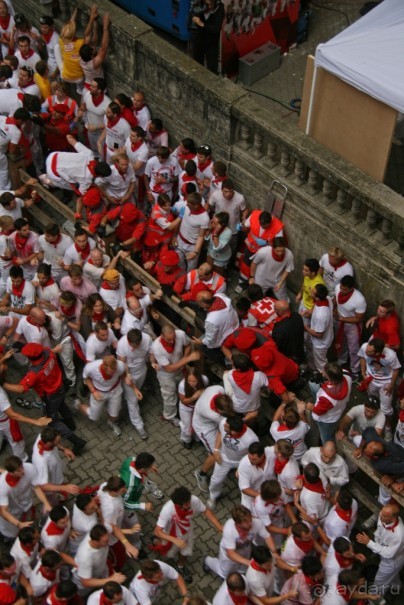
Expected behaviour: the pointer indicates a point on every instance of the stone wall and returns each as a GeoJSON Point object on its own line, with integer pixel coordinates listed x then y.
{"type": "Point", "coordinates": [330, 202]}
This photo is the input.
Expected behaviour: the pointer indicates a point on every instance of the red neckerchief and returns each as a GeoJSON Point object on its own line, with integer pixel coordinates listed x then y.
{"type": "Point", "coordinates": [29, 320]}
{"type": "Point", "coordinates": [47, 37]}
{"type": "Point", "coordinates": [344, 592]}
{"type": "Point", "coordinates": [26, 548]}
{"type": "Point", "coordinates": [243, 533]}
{"type": "Point", "coordinates": [54, 600]}
{"type": "Point", "coordinates": [279, 465]}
{"type": "Point", "coordinates": [42, 447]}
{"type": "Point", "coordinates": [29, 54]}
{"type": "Point", "coordinates": [48, 574]}
{"type": "Point", "coordinates": [135, 146]}
{"type": "Point", "coordinates": [13, 120]}
{"type": "Point", "coordinates": [104, 600]}
{"type": "Point", "coordinates": [103, 374]}
{"type": "Point", "coordinates": [219, 179]}
{"type": "Point", "coordinates": [20, 242]}
{"type": "Point", "coordinates": [343, 298]}
{"type": "Point", "coordinates": [153, 135]}
{"type": "Point", "coordinates": [91, 166]}
{"type": "Point", "coordinates": [5, 21]}
{"type": "Point", "coordinates": [185, 155]}
{"type": "Point", "coordinates": [306, 547]}
{"type": "Point", "coordinates": [50, 282]}
{"type": "Point", "coordinates": [343, 562]}
{"type": "Point", "coordinates": [168, 346]}
{"type": "Point", "coordinates": [278, 257]}
{"type": "Point", "coordinates": [83, 252]}
{"type": "Point", "coordinates": [107, 286]}
{"type": "Point", "coordinates": [238, 599]}
{"type": "Point", "coordinates": [342, 393]}
{"type": "Point", "coordinates": [212, 403]}
{"type": "Point", "coordinates": [141, 577]}
{"type": "Point", "coordinates": [284, 427]}
{"type": "Point", "coordinates": [58, 240]}
{"type": "Point", "coordinates": [401, 416]}
{"type": "Point", "coordinates": [317, 487]}
{"type": "Point", "coordinates": [241, 433]}
{"type": "Point", "coordinates": [68, 311]}
{"type": "Point", "coordinates": [345, 515]}
{"type": "Point", "coordinates": [54, 530]}
{"type": "Point", "coordinates": [244, 380]}
{"type": "Point", "coordinates": [18, 290]}
{"type": "Point", "coordinates": [391, 527]}
{"type": "Point", "coordinates": [12, 481]}
{"type": "Point", "coordinates": [322, 303]}
{"type": "Point", "coordinates": [258, 567]}
{"type": "Point", "coordinates": [182, 518]}
{"type": "Point", "coordinates": [113, 122]}
{"type": "Point", "coordinates": [97, 99]}
{"type": "Point", "coordinates": [217, 305]}
{"type": "Point", "coordinates": [338, 265]}
{"type": "Point", "coordinates": [98, 317]}
{"type": "Point", "coordinates": [203, 165]}
{"type": "Point", "coordinates": [28, 85]}
{"type": "Point", "coordinates": [200, 210]}
{"type": "Point", "coordinates": [311, 583]}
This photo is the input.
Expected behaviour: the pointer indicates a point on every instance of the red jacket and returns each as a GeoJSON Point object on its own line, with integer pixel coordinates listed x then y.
{"type": "Point", "coordinates": [279, 369]}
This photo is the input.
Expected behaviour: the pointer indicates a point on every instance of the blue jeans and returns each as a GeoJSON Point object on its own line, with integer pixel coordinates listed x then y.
{"type": "Point", "coordinates": [327, 430]}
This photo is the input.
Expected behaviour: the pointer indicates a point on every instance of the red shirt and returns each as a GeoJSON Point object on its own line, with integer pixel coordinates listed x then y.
{"type": "Point", "coordinates": [279, 369]}
{"type": "Point", "coordinates": [58, 142]}
{"type": "Point", "coordinates": [46, 377]}
{"type": "Point", "coordinates": [388, 329]}
{"type": "Point", "coordinates": [126, 230]}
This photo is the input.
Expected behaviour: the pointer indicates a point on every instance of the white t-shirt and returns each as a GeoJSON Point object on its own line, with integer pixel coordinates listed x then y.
{"type": "Point", "coordinates": [30, 61]}
{"type": "Point", "coordinates": [127, 597]}
{"type": "Point", "coordinates": [116, 185]}
{"type": "Point", "coordinates": [93, 273]}
{"type": "Point", "coordinates": [247, 402]}
{"type": "Point", "coordinates": [48, 465]}
{"type": "Point", "coordinates": [167, 513]}
{"type": "Point", "coordinates": [334, 526]}
{"type": "Point", "coordinates": [234, 207]}
{"type": "Point", "coordinates": [4, 405]}
{"type": "Point", "coordinates": [52, 541]}
{"type": "Point", "coordinates": [288, 477]}
{"type": "Point", "coordinates": [40, 585]}
{"type": "Point", "coordinates": [73, 256]}
{"type": "Point", "coordinates": [54, 253]}
{"type": "Point", "coordinates": [168, 169]}
{"type": "Point", "coordinates": [115, 298]}
{"type": "Point", "coordinates": [234, 448]}
{"type": "Point", "coordinates": [117, 134]}
{"type": "Point", "coordinates": [382, 369]}
{"type": "Point", "coordinates": [232, 540]}
{"type": "Point", "coordinates": [269, 271]}
{"type": "Point", "coordinates": [92, 370]}
{"type": "Point", "coordinates": [164, 358]}
{"type": "Point", "coordinates": [322, 322]}
{"type": "Point", "coordinates": [314, 503]}
{"type": "Point", "coordinates": [356, 303]}
{"type": "Point", "coordinates": [16, 212]}
{"type": "Point", "coordinates": [191, 225]}
{"type": "Point", "coordinates": [270, 513]}
{"type": "Point", "coordinates": [27, 296]}
{"type": "Point", "coordinates": [95, 114]}
{"type": "Point", "coordinates": [91, 562]}
{"type": "Point", "coordinates": [141, 154]}
{"type": "Point", "coordinates": [260, 584]}
{"type": "Point", "coordinates": [31, 333]}
{"type": "Point", "coordinates": [24, 560]}
{"type": "Point", "coordinates": [360, 422]}
{"type": "Point", "coordinates": [82, 524]}
{"type": "Point", "coordinates": [205, 419]}
{"type": "Point", "coordinates": [295, 436]}
{"type": "Point", "coordinates": [96, 348]}
{"type": "Point", "coordinates": [135, 358]}
{"type": "Point", "coordinates": [9, 133]}
{"type": "Point", "coordinates": [291, 553]}
{"type": "Point", "coordinates": [331, 275]}
{"type": "Point", "coordinates": [112, 510]}
{"type": "Point", "coordinates": [335, 471]}
{"type": "Point", "coordinates": [147, 593]}
{"type": "Point", "coordinates": [251, 476]}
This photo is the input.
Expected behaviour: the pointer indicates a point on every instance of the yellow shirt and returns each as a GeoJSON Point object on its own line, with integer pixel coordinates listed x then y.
{"type": "Point", "coordinates": [43, 85]}
{"type": "Point", "coordinates": [308, 284]}
{"type": "Point", "coordinates": [71, 60]}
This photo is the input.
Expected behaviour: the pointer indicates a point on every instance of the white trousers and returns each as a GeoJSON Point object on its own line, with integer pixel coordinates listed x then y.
{"type": "Point", "coordinates": [66, 357]}
{"type": "Point", "coordinates": [186, 413]}
{"type": "Point", "coordinates": [225, 567]}
{"type": "Point", "coordinates": [378, 389]}
{"type": "Point", "coordinates": [218, 477]}
{"type": "Point", "coordinates": [183, 249]}
{"type": "Point", "coordinates": [169, 392]}
{"type": "Point", "coordinates": [133, 402]}
{"type": "Point", "coordinates": [17, 447]}
{"type": "Point", "coordinates": [388, 574]}
{"type": "Point", "coordinates": [5, 182]}
{"type": "Point", "coordinates": [113, 399]}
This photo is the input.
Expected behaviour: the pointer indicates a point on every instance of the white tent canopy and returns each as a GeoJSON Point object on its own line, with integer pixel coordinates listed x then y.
{"type": "Point", "coordinates": [369, 54]}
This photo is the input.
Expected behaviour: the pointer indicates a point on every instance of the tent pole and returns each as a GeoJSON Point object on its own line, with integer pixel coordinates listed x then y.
{"type": "Point", "coordinates": [310, 110]}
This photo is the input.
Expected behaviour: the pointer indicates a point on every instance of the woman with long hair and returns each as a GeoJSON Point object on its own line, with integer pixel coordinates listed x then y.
{"type": "Point", "coordinates": [96, 309]}
{"type": "Point", "coordinates": [190, 389]}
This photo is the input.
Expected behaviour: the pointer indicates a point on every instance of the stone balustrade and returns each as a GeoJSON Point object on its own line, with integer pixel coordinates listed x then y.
{"type": "Point", "coordinates": [329, 202]}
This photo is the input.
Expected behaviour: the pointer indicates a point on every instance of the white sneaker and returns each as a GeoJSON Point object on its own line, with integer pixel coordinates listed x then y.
{"type": "Point", "coordinates": [202, 481]}
{"type": "Point", "coordinates": [211, 504]}
{"type": "Point", "coordinates": [115, 428]}
{"type": "Point", "coordinates": [143, 434]}
{"type": "Point", "coordinates": [152, 488]}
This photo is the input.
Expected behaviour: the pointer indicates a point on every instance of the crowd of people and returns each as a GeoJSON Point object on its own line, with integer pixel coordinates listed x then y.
{"type": "Point", "coordinates": [86, 336]}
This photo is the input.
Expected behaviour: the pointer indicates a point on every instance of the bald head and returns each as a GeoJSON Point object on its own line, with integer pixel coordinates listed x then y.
{"type": "Point", "coordinates": [281, 307]}
{"type": "Point", "coordinates": [328, 452]}
{"type": "Point", "coordinates": [167, 331]}
{"type": "Point", "coordinates": [97, 257]}
{"type": "Point", "coordinates": [37, 315]}
{"type": "Point", "coordinates": [204, 299]}
{"type": "Point", "coordinates": [205, 271]}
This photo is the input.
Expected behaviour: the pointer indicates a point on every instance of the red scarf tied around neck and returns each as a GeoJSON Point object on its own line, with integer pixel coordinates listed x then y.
{"type": "Point", "coordinates": [317, 487]}
{"type": "Point", "coordinates": [280, 465]}
{"type": "Point", "coordinates": [54, 530]}
{"type": "Point", "coordinates": [12, 481]}
{"type": "Point", "coordinates": [278, 257]}
{"type": "Point", "coordinates": [306, 547]}
{"type": "Point", "coordinates": [343, 562]}
{"type": "Point", "coordinates": [345, 515]}
{"type": "Point", "coordinates": [244, 380]}
{"type": "Point", "coordinates": [48, 574]}
{"type": "Point", "coordinates": [168, 346]}
{"type": "Point", "coordinates": [18, 290]}
{"type": "Point", "coordinates": [217, 305]}
{"type": "Point", "coordinates": [181, 520]}
{"type": "Point", "coordinates": [20, 242]}
{"type": "Point", "coordinates": [238, 599]}
{"type": "Point", "coordinates": [83, 252]}
{"type": "Point", "coordinates": [43, 447]}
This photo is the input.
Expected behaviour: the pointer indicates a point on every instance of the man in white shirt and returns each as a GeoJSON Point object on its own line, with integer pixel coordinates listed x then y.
{"type": "Point", "coordinates": [17, 485]}
{"type": "Point", "coordinates": [161, 173]}
{"type": "Point", "coordinates": [55, 533]}
{"type": "Point", "coordinates": [150, 579]}
{"type": "Point", "coordinates": [232, 442]}
{"type": "Point", "coordinates": [351, 308]}
{"type": "Point", "coordinates": [270, 268]}
{"type": "Point", "coordinates": [291, 424]}
{"type": "Point", "coordinates": [170, 353]}
{"type": "Point", "coordinates": [331, 464]}
{"type": "Point", "coordinates": [175, 529]}
{"type": "Point", "coordinates": [388, 543]}
{"type": "Point", "coordinates": [113, 291]}
{"type": "Point", "coordinates": [233, 590]}
{"type": "Point", "coordinates": [333, 267]}
{"type": "Point", "coordinates": [110, 593]}
{"type": "Point", "coordinates": [141, 111]}
{"type": "Point", "coordinates": [95, 266]}
{"type": "Point", "coordinates": [25, 549]}
{"type": "Point", "coordinates": [220, 322]}
{"type": "Point", "coordinates": [380, 368]}
{"type": "Point", "coordinates": [116, 131]}
{"type": "Point", "coordinates": [52, 247]}
{"type": "Point", "coordinates": [228, 200]}
{"type": "Point", "coordinates": [191, 234]}
{"type": "Point", "coordinates": [321, 329]}
{"type": "Point", "coordinates": [101, 342]}
{"type": "Point", "coordinates": [85, 515]}
{"type": "Point", "coordinates": [26, 56]}
{"type": "Point", "coordinates": [134, 350]}
{"type": "Point", "coordinates": [360, 417]}
{"type": "Point", "coordinates": [20, 294]}
{"type": "Point", "coordinates": [91, 569]}
{"type": "Point", "coordinates": [45, 574]}
{"type": "Point", "coordinates": [244, 386]}
{"type": "Point", "coordinates": [10, 138]}
{"type": "Point", "coordinates": [342, 516]}
{"type": "Point", "coordinates": [93, 107]}
{"type": "Point", "coordinates": [119, 186]}
{"type": "Point", "coordinates": [255, 468]}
